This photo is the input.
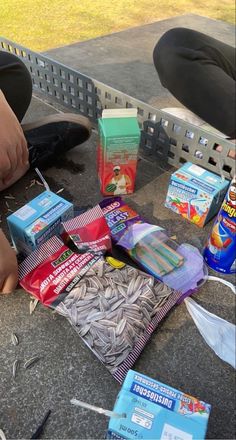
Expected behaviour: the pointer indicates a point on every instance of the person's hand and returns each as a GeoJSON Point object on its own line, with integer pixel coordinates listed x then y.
{"type": "Point", "coordinates": [8, 266]}
{"type": "Point", "coordinates": [17, 175]}
{"type": "Point", "coordinates": [14, 153]}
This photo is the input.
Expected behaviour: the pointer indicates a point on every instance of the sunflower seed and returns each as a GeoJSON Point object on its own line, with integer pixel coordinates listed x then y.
{"type": "Point", "coordinates": [2, 435]}
{"type": "Point", "coordinates": [121, 358]}
{"type": "Point", "coordinates": [91, 290]}
{"type": "Point", "coordinates": [110, 360]}
{"type": "Point", "coordinates": [138, 323]}
{"type": "Point", "coordinates": [121, 290]}
{"type": "Point", "coordinates": [84, 330]}
{"type": "Point", "coordinates": [113, 336]}
{"type": "Point", "coordinates": [131, 287]}
{"type": "Point", "coordinates": [134, 297]}
{"type": "Point", "coordinates": [14, 339]}
{"type": "Point", "coordinates": [74, 314]}
{"type": "Point", "coordinates": [119, 314]}
{"type": "Point", "coordinates": [15, 367]}
{"type": "Point", "coordinates": [100, 270]}
{"type": "Point", "coordinates": [108, 323]}
{"type": "Point", "coordinates": [108, 292]}
{"type": "Point", "coordinates": [89, 340]}
{"type": "Point", "coordinates": [120, 327]}
{"type": "Point", "coordinates": [33, 304]}
{"type": "Point", "coordinates": [146, 313]}
{"type": "Point", "coordinates": [31, 362]}
{"type": "Point", "coordinates": [96, 316]}
{"type": "Point", "coordinates": [117, 304]}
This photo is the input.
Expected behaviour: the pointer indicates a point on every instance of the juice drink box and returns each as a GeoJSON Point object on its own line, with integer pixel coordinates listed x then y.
{"type": "Point", "coordinates": [153, 410]}
{"type": "Point", "coordinates": [220, 250]}
{"type": "Point", "coordinates": [195, 193]}
{"type": "Point", "coordinates": [38, 220]}
{"type": "Point", "coordinates": [117, 153]}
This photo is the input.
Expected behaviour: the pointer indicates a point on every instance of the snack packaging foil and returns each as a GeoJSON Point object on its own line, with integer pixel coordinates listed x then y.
{"type": "Point", "coordinates": [114, 307]}
{"type": "Point", "coordinates": [88, 231]}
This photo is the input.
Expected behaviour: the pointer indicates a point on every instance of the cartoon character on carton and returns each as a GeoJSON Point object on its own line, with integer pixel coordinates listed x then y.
{"type": "Point", "coordinates": [119, 183]}
{"type": "Point", "coordinates": [232, 195]}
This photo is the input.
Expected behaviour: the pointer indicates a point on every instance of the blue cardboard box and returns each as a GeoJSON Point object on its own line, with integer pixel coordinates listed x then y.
{"type": "Point", "coordinates": [157, 411]}
{"type": "Point", "coordinates": [195, 193]}
{"type": "Point", "coordinates": [38, 220]}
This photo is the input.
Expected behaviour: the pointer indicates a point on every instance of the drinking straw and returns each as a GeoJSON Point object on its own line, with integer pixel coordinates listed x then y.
{"type": "Point", "coordinates": [42, 179]}
{"type": "Point", "coordinates": [106, 412]}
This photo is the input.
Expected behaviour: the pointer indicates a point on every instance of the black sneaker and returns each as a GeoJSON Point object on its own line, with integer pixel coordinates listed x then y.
{"type": "Point", "coordinates": [50, 137]}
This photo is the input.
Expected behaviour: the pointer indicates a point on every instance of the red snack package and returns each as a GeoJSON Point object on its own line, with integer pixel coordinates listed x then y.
{"type": "Point", "coordinates": [50, 272]}
{"type": "Point", "coordinates": [89, 232]}
{"type": "Point", "coordinates": [114, 307]}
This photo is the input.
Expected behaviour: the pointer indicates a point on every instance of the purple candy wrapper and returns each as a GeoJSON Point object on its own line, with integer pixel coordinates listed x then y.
{"type": "Point", "coordinates": [119, 216]}
{"type": "Point", "coordinates": [193, 272]}
{"type": "Point", "coordinates": [180, 267]}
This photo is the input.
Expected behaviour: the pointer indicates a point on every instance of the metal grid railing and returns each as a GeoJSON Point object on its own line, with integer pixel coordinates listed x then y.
{"type": "Point", "coordinates": [163, 135]}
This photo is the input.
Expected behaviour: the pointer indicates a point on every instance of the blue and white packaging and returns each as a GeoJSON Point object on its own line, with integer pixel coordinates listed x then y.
{"type": "Point", "coordinates": [156, 411]}
{"type": "Point", "coordinates": [38, 220]}
{"type": "Point", "coordinates": [195, 193]}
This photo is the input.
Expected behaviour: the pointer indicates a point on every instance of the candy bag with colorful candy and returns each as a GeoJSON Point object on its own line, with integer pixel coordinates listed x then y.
{"type": "Point", "coordinates": [179, 266]}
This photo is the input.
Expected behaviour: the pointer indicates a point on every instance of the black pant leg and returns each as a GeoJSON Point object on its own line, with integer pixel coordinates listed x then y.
{"type": "Point", "coordinates": [15, 83]}
{"type": "Point", "coordinates": [200, 72]}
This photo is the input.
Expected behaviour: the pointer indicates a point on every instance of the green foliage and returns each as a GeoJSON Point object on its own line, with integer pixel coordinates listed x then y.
{"type": "Point", "coordinates": [42, 25]}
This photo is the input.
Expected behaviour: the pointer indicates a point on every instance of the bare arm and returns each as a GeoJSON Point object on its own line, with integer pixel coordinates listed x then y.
{"type": "Point", "coordinates": [127, 179]}
{"type": "Point", "coordinates": [13, 146]}
{"type": "Point", "coordinates": [8, 266]}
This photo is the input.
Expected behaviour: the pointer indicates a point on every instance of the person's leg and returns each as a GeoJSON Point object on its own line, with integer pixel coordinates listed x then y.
{"type": "Point", "coordinates": [46, 138]}
{"type": "Point", "coordinates": [15, 83]}
{"type": "Point", "coordinates": [200, 72]}
{"type": "Point", "coordinates": [51, 137]}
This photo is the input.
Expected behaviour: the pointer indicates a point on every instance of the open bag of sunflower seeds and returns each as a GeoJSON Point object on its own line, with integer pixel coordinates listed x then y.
{"type": "Point", "coordinates": [114, 307]}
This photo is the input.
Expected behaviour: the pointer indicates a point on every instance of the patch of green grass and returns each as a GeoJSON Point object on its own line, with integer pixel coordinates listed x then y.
{"type": "Point", "coordinates": [42, 25]}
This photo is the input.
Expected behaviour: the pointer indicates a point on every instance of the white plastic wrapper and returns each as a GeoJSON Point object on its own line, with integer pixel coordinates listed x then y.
{"type": "Point", "coordinates": [219, 334]}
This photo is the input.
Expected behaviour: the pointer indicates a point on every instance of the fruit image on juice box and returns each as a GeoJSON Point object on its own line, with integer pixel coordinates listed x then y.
{"type": "Point", "coordinates": [117, 153]}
